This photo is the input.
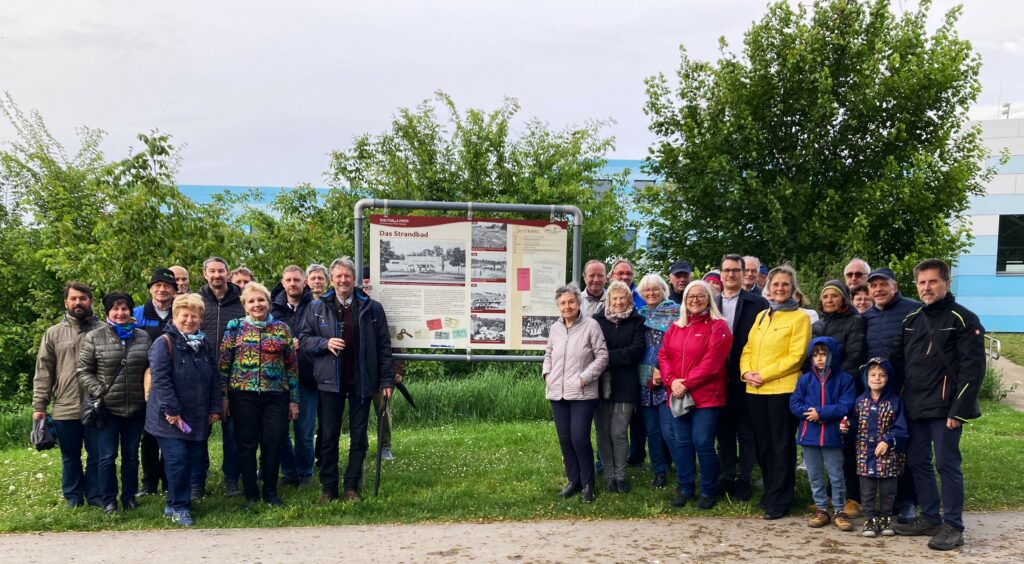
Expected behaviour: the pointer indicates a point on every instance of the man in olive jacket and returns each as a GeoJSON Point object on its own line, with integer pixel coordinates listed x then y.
{"type": "Point", "coordinates": [55, 381]}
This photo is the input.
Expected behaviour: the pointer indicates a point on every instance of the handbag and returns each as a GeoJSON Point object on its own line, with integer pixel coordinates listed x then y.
{"type": "Point", "coordinates": [43, 435]}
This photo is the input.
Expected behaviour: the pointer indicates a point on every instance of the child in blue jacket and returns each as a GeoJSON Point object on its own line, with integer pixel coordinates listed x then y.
{"type": "Point", "coordinates": [881, 437]}
{"type": "Point", "coordinates": [823, 397]}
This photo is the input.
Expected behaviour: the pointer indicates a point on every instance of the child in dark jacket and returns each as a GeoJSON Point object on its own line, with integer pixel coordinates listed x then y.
{"type": "Point", "coordinates": [881, 437]}
{"type": "Point", "coordinates": [823, 397]}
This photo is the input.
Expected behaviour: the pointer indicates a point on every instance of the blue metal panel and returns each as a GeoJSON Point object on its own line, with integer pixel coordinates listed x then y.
{"type": "Point", "coordinates": [984, 286]}
{"type": "Point", "coordinates": [997, 204]}
{"type": "Point", "coordinates": [993, 305]}
{"type": "Point", "coordinates": [1013, 166]}
{"type": "Point", "coordinates": [983, 265]}
{"type": "Point", "coordinates": [984, 245]}
{"type": "Point", "coordinates": [1002, 323]}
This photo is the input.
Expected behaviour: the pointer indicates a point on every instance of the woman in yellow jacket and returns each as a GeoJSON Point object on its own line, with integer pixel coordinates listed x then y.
{"type": "Point", "coordinates": [770, 365]}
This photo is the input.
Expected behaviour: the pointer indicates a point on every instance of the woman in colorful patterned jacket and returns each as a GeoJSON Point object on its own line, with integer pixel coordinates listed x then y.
{"type": "Point", "coordinates": [260, 384]}
{"type": "Point", "coordinates": [658, 312]}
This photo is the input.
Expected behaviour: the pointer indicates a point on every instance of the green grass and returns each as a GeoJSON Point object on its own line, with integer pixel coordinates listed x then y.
{"type": "Point", "coordinates": [472, 471]}
{"type": "Point", "coordinates": [1012, 346]}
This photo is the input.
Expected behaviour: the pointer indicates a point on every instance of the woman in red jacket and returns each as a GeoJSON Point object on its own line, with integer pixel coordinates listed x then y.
{"type": "Point", "coordinates": [692, 362]}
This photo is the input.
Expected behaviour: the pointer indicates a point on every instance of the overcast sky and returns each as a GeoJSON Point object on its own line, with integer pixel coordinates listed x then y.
{"type": "Point", "coordinates": [259, 92]}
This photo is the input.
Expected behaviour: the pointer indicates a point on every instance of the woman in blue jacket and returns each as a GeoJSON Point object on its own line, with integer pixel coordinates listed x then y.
{"type": "Point", "coordinates": [184, 402]}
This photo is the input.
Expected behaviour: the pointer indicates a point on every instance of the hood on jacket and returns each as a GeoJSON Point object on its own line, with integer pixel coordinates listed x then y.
{"type": "Point", "coordinates": [234, 292]}
{"type": "Point", "coordinates": [887, 366]}
{"type": "Point", "coordinates": [832, 364]}
{"type": "Point", "coordinates": [840, 287]}
{"type": "Point", "coordinates": [279, 299]}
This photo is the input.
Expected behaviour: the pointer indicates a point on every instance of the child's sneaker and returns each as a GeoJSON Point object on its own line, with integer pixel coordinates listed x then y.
{"type": "Point", "coordinates": [885, 527]}
{"type": "Point", "coordinates": [819, 519]}
{"type": "Point", "coordinates": [842, 522]}
{"type": "Point", "coordinates": [871, 527]}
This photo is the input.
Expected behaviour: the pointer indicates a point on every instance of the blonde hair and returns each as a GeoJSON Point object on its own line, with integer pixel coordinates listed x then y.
{"type": "Point", "coordinates": [712, 306]}
{"type": "Point", "coordinates": [254, 287]}
{"type": "Point", "coordinates": [619, 286]}
{"type": "Point", "coordinates": [193, 302]}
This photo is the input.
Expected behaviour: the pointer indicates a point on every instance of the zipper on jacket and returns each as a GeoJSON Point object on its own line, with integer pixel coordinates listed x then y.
{"type": "Point", "coordinates": [944, 387]}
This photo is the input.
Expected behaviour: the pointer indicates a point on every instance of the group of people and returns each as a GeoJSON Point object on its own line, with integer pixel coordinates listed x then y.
{"type": "Point", "coordinates": [157, 377]}
{"type": "Point", "coordinates": [875, 396]}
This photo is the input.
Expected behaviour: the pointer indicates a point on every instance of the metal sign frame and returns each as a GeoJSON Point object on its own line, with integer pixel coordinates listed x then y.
{"type": "Point", "coordinates": [469, 208]}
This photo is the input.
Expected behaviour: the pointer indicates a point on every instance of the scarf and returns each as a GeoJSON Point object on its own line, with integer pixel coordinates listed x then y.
{"type": "Point", "coordinates": [789, 305]}
{"type": "Point", "coordinates": [260, 324]}
{"type": "Point", "coordinates": [616, 318]}
{"type": "Point", "coordinates": [195, 340]}
{"type": "Point", "coordinates": [661, 316]}
{"type": "Point", "coordinates": [123, 330]}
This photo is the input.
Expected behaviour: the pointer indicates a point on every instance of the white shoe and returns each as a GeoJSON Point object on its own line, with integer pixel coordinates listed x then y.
{"type": "Point", "coordinates": [385, 454]}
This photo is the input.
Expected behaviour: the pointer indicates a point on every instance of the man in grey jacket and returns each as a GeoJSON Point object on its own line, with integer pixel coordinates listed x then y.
{"type": "Point", "coordinates": [55, 381]}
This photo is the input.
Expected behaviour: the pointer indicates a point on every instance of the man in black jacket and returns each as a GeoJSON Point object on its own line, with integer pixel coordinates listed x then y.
{"type": "Point", "coordinates": [941, 351]}
{"type": "Point", "coordinates": [223, 301]}
{"type": "Point", "coordinates": [740, 308]}
{"type": "Point", "coordinates": [288, 302]}
{"type": "Point", "coordinates": [345, 334]}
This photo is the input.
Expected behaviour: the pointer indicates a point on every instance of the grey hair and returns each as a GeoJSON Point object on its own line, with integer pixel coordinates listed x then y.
{"type": "Point", "coordinates": [344, 262]}
{"type": "Point", "coordinates": [215, 259]}
{"type": "Point", "coordinates": [570, 288]}
{"type": "Point", "coordinates": [715, 314]}
{"type": "Point", "coordinates": [653, 279]}
{"type": "Point", "coordinates": [316, 267]}
{"type": "Point", "coordinates": [859, 260]}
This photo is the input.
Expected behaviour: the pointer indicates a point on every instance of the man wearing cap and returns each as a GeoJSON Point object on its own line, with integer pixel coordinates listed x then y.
{"type": "Point", "coordinates": [856, 272]}
{"type": "Point", "coordinates": [153, 318]}
{"type": "Point", "coordinates": [679, 275]}
{"type": "Point", "coordinates": [181, 277]}
{"type": "Point", "coordinates": [595, 276]}
{"type": "Point", "coordinates": [751, 271]}
{"type": "Point", "coordinates": [762, 276]}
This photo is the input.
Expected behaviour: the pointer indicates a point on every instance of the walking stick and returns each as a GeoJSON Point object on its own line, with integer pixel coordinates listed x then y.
{"type": "Point", "coordinates": [380, 443]}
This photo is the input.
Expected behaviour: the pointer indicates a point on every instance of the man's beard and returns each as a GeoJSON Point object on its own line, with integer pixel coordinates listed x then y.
{"type": "Point", "coordinates": [80, 313]}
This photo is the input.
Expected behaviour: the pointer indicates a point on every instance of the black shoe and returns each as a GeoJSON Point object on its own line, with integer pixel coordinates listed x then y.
{"type": "Point", "coordinates": [231, 488]}
{"type": "Point", "coordinates": [773, 515]}
{"type": "Point", "coordinates": [681, 499]}
{"type": "Point", "coordinates": [198, 492]}
{"type": "Point", "coordinates": [705, 502]}
{"type": "Point", "coordinates": [290, 481]}
{"type": "Point", "coordinates": [73, 503]}
{"type": "Point", "coordinates": [611, 486]}
{"type": "Point", "coordinates": [742, 490]}
{"type": "Point", "coordinates": [273, 500]}
{"type": "Point", "coordinates": [658, 482]}
{"type": "Point", "coordinates": [327, 497]}
{"type": "Point", "coordinates": [588, 494]}
{"type": "Point", "coordinates": [570, 490]}
{"type": "Point", "coordinates": [147, 489]}
{"type": "Point", "coordinates": [623, 486]}
{"type": "Point", "coordinates": [110, 508]}
{"type": "Point", "coordinates": [947, 538]}
{"type": "Point", "coordinates": [130, 505]}
{"type": "Point", "coordinates": [921, 527]}
{"type": "Point", "coordinates": [725, 486]}
{"type": "Point", "coordinates": [250, 503]}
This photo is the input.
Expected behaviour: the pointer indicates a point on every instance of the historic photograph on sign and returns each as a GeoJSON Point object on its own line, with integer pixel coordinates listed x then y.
{"type": "Point", "coordinates": [536, 327]}
{"type": "Point", "coordinates": [487, 298]}
{"type": "Point", "coordinates": [488, 266]}
{"type": "Point", "coordinates": [488, 329]}
{"type": "Point", "coordinates": [488, 235]}
{"type": "Point", "coordinates": [436, 261]}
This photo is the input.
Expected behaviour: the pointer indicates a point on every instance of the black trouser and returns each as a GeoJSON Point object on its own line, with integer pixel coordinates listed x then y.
{"type": "Point", "coordinates": [884, 489]}
{"type": "Point", "coordinates": [926, 435]}
{"type": "Point", "coordinates": [775, 440]}
{"type": "Point", "coordinates": [906, 491]}
{"type": "Point", "coordinates": [734, 428]}
{"type": "Point", "coordinates": [637, 437]}
{"type": "Point", "coordinates": [850, 468]}
{"type": "Point", "coordinates": [152, 463]}
{"type": "Point", "coordinates": [332, 409]}
{"type": "Point", "coordinates": [260, 420]}
{"type": "Point", "coordinates": [573, 419]}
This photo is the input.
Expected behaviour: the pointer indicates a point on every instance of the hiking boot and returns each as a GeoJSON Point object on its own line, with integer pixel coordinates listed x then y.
{"type": "Point", "coordinates": [819, 519]}
{"type": "Point", "coordinates": [742, 491]}
{"type": "Point", "coordinates": [658, 482]}
{"type": "Point", "coordinates": [885, 527]}
{"type": "Point", "coordinates": [871, 528]}
{"type": "Point", "coordinates": [681, 499]}
{"type": "Point", "coordinates": [705, 502]}
{"type": "Point", "coordinates": [182, 518]}
{"type": "Point", "coordinates": [947, 538]}
{"type": "Point", "coordinates": [842, 522]}
{"type": "Point", "coordinates": [920, 527]}
{"type": "Point", "coordinates": [231, 488]}
{"type": "Point", "coordinates": [851, 509]}
{"type": "Point", "coordinates": [611, 486]}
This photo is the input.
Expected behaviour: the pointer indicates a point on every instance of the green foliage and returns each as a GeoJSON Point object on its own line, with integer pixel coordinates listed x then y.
{"type": "Point", "coordinates": [837, 132]}
{"type": "Point", "coordinates": [475, 156]}
{"type": "Point", "coordinates": [992, 386]}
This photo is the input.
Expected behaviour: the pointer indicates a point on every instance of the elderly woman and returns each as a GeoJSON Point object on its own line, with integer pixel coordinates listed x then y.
{"type": "Point", "coordinates": [111, 366]}
{"type": "Point", "coordinates": [260, 383]}
{"type": "Point", "coordinates": [623, 331]}
{"type": "Point", "coordinates": [770, 366]}
{"type": "Point", "coordinates": [860, 297]}
{"type": "Point", "coordinates": [184, 402]}
{"type": "Point", "coordinates": [574, 359]}
{"type": "Point", "coordinates": [658, 312]}
{"type": "Point", "coordinates": [692, 362]}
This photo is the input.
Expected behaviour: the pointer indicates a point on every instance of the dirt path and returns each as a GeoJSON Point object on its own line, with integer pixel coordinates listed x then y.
{"type": "Point", "coordinates": [991, 537]}
{"type": "Point", "coordinates": [1013, 377]}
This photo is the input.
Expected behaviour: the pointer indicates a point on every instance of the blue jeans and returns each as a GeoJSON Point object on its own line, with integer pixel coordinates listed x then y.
{"type": "Point", "coordinates": [652, 424]}
{"type": "Point", "coordinates": [297, 461]}
{"type": "Point", "coordinates": [117, 432]}
{"type": "Point", "coordinates": [180, 459]}
{"type": "Point", "coordinates": [77, 486]}
{"type": "Point", "coordinates": [820, 460]}
{"type": "Point", "coordinates": [693, 433]}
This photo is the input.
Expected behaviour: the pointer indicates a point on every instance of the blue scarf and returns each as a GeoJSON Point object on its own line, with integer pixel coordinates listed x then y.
{"type": "Point", "coordinates": [125, 330]}
{"type": "Point", "coordinates": [195, 340]}
{"type": "Point", "coordinates": [661, 316]}
{"type": "Point", "coordinates": [260, 324]}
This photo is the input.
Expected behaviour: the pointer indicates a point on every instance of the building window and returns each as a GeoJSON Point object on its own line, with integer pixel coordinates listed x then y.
{"type": "Point", "coordinates": [1010, 250]}
{"type": "Point", "coordinates": [602, 185]}
{"type": "Point", "coordinates": [639, 185]}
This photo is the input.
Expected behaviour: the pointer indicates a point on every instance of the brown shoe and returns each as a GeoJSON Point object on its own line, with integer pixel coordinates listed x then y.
{"type": "Point", "coordinates": [326, 498]}
{"type": "Point", "coordinates": [852, 509]}
{"type": "Point", "coordinates": [819, 519]}
{"type": "Point", "coordinates": [352, 495]}
{"type": "Point", "coordinates": [842, 522]}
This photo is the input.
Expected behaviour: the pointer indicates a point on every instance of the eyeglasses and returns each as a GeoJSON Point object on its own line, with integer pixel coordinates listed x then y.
{"type": "Point", "coordinates": [856, 274]}
{"type": "Point", "coordinates": [696, 298]}
{"type": "Point", "coordinates": [732, 270]}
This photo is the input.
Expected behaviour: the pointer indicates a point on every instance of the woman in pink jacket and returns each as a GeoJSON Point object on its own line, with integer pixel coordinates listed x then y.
{"type": "Point", "coordinates": [692, 362]}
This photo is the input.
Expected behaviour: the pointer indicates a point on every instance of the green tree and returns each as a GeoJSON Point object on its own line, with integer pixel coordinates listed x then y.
{"type": "Point", "coordinates": [475, 156]}
{"type": "Point", "coordinates": [838, 131]}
